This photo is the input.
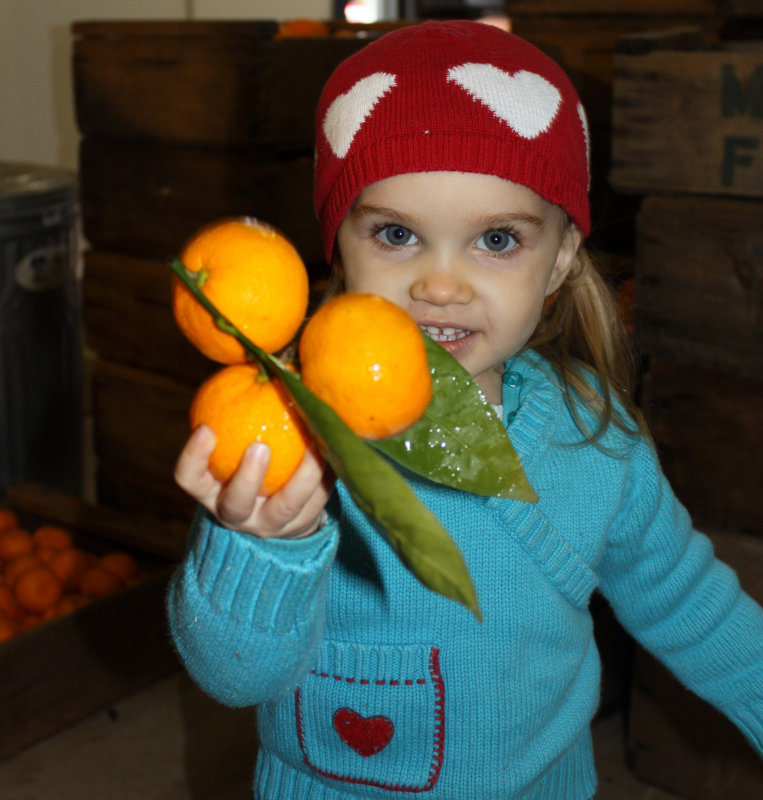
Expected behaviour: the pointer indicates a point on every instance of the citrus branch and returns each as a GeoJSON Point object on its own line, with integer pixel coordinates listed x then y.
{"type": "Point", "coordinates": [264, 360]}
{"type": "Point", "coordinates": [413, 532]}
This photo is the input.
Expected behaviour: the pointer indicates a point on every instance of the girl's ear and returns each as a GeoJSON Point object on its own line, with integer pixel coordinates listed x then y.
{"type": "Point", "coordinates": [572, 238]}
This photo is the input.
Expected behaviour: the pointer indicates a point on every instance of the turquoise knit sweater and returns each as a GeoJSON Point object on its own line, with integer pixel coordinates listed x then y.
{"type": "Point", "coordinates": [369, 685]}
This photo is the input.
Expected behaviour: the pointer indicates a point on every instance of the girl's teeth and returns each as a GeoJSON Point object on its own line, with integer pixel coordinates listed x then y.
{"type": "Point", "coordinates": [444, 334]}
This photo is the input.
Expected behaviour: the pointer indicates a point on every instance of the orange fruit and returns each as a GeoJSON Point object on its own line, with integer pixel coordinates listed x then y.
{"type": "Point", "coordinates": [7, 628]}
{"type": "Point", "coordinates": [52, 536]}
{"type": "Point", "coordinates": [46, 554]}
{"type": "Point", "coordinates": [15, 542]}
{"type": "Point", "coordinates": [99, 582]}
{"type": "Point", "coordinates": [8, 605]}
{"type": "Point", "coordinates": [37, 589]}
{"type": "Point", "coordinates": [18, 566]}
{"type": "Point", "coordinates": [70, 565]}
{"type": "Point", "coordinates": [254, 276]}
{"type": "Point", "coordinates": [8, 519]}
{"type": "Point", "coordinates": [298, 28]}
{"type": "Point", "coordinates": [365, 357]}
{"type": "Point", "coordinates": [242, 407]}
{"type": "Point", "coordinates": [123, 565]}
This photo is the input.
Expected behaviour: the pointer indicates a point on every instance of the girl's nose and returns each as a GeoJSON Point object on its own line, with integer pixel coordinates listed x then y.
{"type": "Point", "coordinates": [442, 285]}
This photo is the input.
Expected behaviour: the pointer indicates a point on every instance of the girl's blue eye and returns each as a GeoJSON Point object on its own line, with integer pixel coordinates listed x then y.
{"type": "Point", "coordinates": [396, 235]}
{"type": "Point", "coordinates": [497, 241]}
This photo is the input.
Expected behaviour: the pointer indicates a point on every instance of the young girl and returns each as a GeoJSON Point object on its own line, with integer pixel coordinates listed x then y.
{"type": "Point", "coordinates": [451, 178]}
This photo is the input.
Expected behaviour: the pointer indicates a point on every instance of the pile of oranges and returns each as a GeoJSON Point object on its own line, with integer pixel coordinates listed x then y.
{"type": "Point", "coordinates": [359, 353]}
{"type": "Point", "coordinates": [44, 575]}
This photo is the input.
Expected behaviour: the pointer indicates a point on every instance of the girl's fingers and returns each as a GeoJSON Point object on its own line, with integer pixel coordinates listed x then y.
{"type": "Point", "coordinates": [294, 510]}
{"type": "Point", "coordinates": [192, 467]}
{"type": "Point", "coordinates": [237, 502]}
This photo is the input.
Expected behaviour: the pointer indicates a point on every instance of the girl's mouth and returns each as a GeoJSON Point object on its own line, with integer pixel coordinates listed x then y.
{"type": "Point", "coordinates": [444, 335]}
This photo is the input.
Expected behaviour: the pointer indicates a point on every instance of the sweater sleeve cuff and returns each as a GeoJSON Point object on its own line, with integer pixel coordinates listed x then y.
{"type": "Point", "coordinates": [750, 722]}
{"type": "Point", "coordinates": [272, 584]}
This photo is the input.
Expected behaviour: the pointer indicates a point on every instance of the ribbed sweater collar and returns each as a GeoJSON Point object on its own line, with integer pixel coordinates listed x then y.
{"type": "Point", "coordinates": [540, 403]}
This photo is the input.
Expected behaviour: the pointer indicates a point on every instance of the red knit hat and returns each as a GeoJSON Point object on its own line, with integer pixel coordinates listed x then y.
{"type": "Point", "coordinates": [451, 96]}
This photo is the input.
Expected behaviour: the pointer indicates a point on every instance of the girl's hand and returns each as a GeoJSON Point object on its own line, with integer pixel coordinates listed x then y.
{"type": "Point", "coordinates": [293, 511]}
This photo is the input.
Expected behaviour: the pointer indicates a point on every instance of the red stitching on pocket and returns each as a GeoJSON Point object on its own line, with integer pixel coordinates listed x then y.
{"type": "Point", "coordinates": [439, 735]}
{"type": "Point", "coordinates": [439, 710]}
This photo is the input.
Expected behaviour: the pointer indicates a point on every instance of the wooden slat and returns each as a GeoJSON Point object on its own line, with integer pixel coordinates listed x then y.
{"type": "Point", "coordinates": [256, 30]}
{"type": "Point", "coordinates": [638, 44]}
{"type": "Point", "coordinates": [706, 425]}
{"type": "Point", "coordinates": [140, 425]}
{"type": "Point", "coordinates": [162, 538]}
{"type": "Point", "coordinates": [212, 84]}
{"type": "Point", "coordinates": [146, 200]}
{"type": "Point", "coordinates": [699, 277]}
{"type": "Point", "coordinates": [128, 317]}
{"type": "Point", "coordinates": [743, 8]}
{"type": "Point", "coordinates": [616, 7]}
{"type": "Point", "coordinates": [689, 121]}
{"type": "Point", "coordinates": [585, 46]}
{"type": "Point", "coordinates": [141, 418]}
{"type": "Point", "coordinates": [133, 492]}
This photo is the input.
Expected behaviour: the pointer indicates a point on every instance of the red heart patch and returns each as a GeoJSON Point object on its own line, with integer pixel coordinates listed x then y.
{"type": "Point", "coordinates": [365, 735]}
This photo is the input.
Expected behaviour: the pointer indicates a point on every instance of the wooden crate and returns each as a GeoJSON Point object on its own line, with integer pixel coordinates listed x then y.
{"type": "Point", "coordinates": [67, 668]}
{"type": "Point", "coordinates": [706, 425]}
{"type": "Point", "coordinates": [681, 743]}
{"type": "Point", "coordinates": [224, 84]}
{"type": "Point", "coordinates": [698, 275]}
{"type": "Point", "coordinates": [687, 115]}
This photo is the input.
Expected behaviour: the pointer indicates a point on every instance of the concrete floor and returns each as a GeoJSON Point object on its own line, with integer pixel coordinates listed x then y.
{"type": "Point", "coordinates": [170, 742]}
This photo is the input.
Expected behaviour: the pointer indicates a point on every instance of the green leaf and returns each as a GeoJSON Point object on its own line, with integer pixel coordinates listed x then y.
{"type": "Point", "coordinates": [459, 442]}
{"type": "Point", "coordinates": [413, 532]}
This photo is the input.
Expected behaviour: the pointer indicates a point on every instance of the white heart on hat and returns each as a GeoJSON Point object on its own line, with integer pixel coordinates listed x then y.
{"type": "Point", "coordinates": [347, 112]}
{"type": "Point", "coordinates": [525, 101]}
{"type": "Point", "coordinates": [587, 135]}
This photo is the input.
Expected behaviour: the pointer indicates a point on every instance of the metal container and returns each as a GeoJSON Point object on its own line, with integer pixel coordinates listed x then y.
{"type": "Point", "coordinates": [41, 340]}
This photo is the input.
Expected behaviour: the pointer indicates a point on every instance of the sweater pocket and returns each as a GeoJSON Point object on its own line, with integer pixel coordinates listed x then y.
{"type": "Point", "coordinates": [373, 716]}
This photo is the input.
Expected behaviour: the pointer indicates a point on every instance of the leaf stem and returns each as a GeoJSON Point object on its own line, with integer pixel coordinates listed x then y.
{"type": "Point", "coordinates": [264, 360]}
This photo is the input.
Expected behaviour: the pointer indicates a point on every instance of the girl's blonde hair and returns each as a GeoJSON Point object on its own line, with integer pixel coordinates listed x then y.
{"type": "Point", "coordinates": [581, 333]}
